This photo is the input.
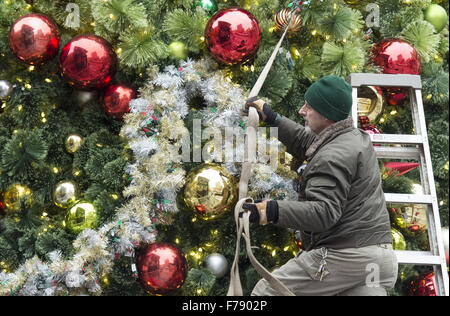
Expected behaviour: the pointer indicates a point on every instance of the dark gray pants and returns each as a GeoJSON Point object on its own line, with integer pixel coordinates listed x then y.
{"type": "Point", "coordinates": [365, 271]}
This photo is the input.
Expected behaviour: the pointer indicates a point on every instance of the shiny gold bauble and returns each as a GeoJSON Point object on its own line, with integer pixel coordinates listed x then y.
{"type": "Point", "coordinates": [65, 194]}
{"type": "Point", "coordinates": [210, 191]}
{"type": "Point", "coordinates": [370, 102]}
{"type": "Point", "coordinates": [80, 216]}
{"type": "Point", "coordinates": [13, 194]}
{"type": "Point", "coordinates": [398, 241]}
{"type": "Point", "coordinates": [282, 20]}
{"type": "Point", "coordinates": [400, 222]}
{"type": "Point", "coordinates": [73, 143]}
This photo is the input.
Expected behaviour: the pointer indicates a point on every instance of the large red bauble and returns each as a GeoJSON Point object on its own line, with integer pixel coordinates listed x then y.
{"type": "Point", "coordinates": [162, 268]}
{"type": "Point", "coordinates": [34, 39]}
{"type": "Point", "coordinates": [116, 100]}
{"type": "Point", "coordinates": [396, 56]}
{"type": "Point", "coordinates": [88, 62]}
{"type": "Point", "coordinates": [233, 35]}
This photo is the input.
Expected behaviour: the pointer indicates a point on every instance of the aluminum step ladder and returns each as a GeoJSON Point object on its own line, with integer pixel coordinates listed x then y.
{"type": "Point", "coordinates": [418, 149]}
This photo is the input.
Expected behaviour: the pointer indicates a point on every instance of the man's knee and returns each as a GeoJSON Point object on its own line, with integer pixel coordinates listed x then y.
{"type": "Point", "coordinates": [261, 288]}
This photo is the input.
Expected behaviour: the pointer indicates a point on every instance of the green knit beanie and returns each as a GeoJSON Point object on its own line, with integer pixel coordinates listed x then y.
{"type": "Point", "coordinates": [331, 96]}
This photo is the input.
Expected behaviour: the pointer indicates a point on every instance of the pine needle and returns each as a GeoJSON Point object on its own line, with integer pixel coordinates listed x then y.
{"type": "Point", "coordinates": [119, 15]}
{"type": "Point", "coordinates": [21, 152]}
{"type": "Point", "coordinates": [140, 49]}
{"type": "Point", "coordinates": [422, 36]}
{"type": "Point", "coordinates": [187, 27]}
{"type": "Point", "coordinates": [341, 61]}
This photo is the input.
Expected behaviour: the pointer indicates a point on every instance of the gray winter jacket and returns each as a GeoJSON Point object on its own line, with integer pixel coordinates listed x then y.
{"type": "Point", "coordinates": [341, 203]}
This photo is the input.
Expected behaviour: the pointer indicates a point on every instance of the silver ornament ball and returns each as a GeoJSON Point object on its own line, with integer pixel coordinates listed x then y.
{"type": "Point", "coordinates": [65, 194]}
{"type": "Point", "coordinates": [217, 264]}
{"type": "Point", "coordinates": [6, 89]}
{"type": "Point", "coordinates": [83, 97]}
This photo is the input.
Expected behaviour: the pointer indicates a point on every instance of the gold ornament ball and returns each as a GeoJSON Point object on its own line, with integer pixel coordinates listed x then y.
{"type": "Point", "coordinates": [400, 222]}
{"type": "Point", "coordinates": [282, 20]}
{"type": "Point", "coordinates": [178, 50]}
{"type": "Point", "coordinates": [65, 194]}
{"type": "Point", "coordinates": [80, 216]}
{"type": "Point", "coordinates": [210, 191]}
{"type": "Point", "coordinates": [398, 241]}
{"type": "Point", "coordinates": [295, 52]}
{"type": "Point", "coordinates": [13, 194]}
{"type": "Point", "coordinates": [370, 102]}
{"type": "Point", "coordinates": [73, 143]}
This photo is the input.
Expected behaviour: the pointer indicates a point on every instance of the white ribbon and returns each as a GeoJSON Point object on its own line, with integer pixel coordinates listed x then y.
{"type": "Point", "coordinates": [242, 221]}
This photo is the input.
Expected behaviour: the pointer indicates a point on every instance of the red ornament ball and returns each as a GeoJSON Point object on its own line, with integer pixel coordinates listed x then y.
{"type": "Point", "coordinates": [162, 268]}
{"type": "Point", "coordinates": [394, 95]}
{"type": "Point", "coordinates": [233, 35]}
{"type": "Point", "coordinates": [396, 56]}
{"type": "Point", "coordinates": [424, 285]}
{"type": "Point", "coordinates": [116, 100]}
{"type": "Point", "coordinates": [364, 124]}
{"type": "Point", "coordinates": [88, 62]}
{"type": "Point", "coordinates": [34, 39]}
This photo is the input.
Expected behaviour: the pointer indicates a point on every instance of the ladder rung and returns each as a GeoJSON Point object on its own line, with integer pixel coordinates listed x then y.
{"type": "Point", "coordinates": [396, 139]}
{"type": "Point", "coordinates": [417, 257]}
{"type": "Point", "coordinates": [384, 80]}
{"type": "Point", "coordinates": [397, 152]}
{"type": "Point", "coordinates": [408, 198]}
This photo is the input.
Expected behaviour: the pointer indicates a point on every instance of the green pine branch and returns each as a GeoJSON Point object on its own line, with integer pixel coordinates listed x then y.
{"type": "Point", "coordinates": [340, 23]}
{"type": "Point", "coordinates": [342, 60]}
{"type": "Point", "coordinates": [421, 35]}
{"type": "Point", "coordinates": [140, 48]}
{"type": "Point", "coordinates": [187, 27]}
{"type": "Point", "coordinates": [116, 16]}
{"type": "Point", "coordinates": [21, 153]}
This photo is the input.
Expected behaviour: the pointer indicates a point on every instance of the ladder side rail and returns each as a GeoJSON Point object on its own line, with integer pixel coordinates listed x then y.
{"type": "Point", "coordinates": [428, 184]}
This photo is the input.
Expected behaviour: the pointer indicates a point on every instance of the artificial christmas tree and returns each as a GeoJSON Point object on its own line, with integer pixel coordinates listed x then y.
{"type": "Point", "coordinates": [132, 171]}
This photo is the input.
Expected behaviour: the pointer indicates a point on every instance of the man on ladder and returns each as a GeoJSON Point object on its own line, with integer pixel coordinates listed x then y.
{"type": "Point", "coordinates": [341, 210]}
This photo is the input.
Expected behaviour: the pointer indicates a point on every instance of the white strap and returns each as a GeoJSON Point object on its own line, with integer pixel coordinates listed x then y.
{"type": "Point", "coordinates": [243, 223]}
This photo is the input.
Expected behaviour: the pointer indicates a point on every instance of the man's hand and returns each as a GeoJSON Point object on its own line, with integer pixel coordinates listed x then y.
{"type": "Point", "coordinates": [262, 212]}
{"type": "Point", "coordinates": [258, 104]}
{"type": "Point", "coordinates": [266, 114]}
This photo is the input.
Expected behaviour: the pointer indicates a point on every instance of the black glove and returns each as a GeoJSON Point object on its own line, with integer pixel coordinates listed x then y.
{"type": "Point", "coordinates": [265, 113]}
{"type": "Point", "coordinates": [262, 212]}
